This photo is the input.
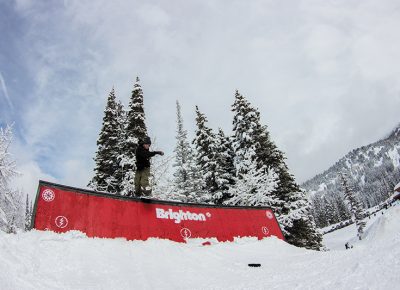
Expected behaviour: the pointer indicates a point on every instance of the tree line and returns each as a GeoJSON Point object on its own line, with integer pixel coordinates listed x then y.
{"type": "Point", "coordinates": [244, 167]}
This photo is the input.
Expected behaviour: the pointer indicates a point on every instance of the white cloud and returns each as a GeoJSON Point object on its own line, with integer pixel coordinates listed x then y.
{"type": "Point", "coordinates": [4, 90]}
{"type": "Point", "coordinates": [28, 181]}
{"type": "Point", "coordinates": [323, 73]}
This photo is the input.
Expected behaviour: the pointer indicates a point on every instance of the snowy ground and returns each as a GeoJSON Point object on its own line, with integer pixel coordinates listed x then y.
{"type": "Point", "coordinates": [45, 260]}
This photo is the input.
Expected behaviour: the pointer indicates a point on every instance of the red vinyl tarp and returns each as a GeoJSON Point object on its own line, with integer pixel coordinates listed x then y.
{"type": "Point", "coordinates": [61, 208]}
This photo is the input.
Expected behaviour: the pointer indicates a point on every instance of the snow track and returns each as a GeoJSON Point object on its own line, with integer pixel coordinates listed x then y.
{"type": "Point", "coordinates": [45, 260]}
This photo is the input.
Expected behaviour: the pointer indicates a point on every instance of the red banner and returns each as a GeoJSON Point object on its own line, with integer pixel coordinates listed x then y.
{"type": "Point", "coordinates": [60, 209]}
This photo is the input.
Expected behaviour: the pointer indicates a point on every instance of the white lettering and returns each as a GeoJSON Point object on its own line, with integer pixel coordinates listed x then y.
{"type": "Point", "coordinates": [179, 216]}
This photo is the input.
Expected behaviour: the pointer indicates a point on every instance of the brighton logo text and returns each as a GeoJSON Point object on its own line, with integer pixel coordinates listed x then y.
{"type": "Point", "coordinates": [180, 215]}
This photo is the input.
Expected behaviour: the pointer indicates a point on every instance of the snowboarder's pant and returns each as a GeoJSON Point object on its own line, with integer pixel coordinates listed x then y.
{"type": "Point", "coordinates": [142, 186]}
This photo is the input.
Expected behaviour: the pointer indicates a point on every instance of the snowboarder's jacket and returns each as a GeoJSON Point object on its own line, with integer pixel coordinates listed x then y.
{"type": "Point", "coordinates": [143, 157]}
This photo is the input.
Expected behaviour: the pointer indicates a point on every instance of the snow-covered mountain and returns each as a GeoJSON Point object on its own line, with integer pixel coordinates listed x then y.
{"type": "Point", "coordinates": [374, 171]}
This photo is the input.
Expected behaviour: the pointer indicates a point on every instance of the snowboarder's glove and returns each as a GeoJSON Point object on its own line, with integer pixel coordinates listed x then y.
{"type": "Point", "coordinates": [160, 152]}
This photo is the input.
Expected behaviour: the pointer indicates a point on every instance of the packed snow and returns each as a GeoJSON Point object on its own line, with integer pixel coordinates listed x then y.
{"type": "Point", "coordinates": [46, 260]}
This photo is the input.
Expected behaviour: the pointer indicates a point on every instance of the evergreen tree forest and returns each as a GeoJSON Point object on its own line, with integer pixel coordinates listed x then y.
{"type": "Point", "coordinates": [242, 167]}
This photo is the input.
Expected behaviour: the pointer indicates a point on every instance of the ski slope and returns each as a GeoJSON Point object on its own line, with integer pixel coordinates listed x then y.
{"type": "Point", "coordinates": [45, 260]}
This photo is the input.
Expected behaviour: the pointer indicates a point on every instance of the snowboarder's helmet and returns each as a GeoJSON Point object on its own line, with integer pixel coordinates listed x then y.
{"type": "Point", "coordinates": [147, 140]}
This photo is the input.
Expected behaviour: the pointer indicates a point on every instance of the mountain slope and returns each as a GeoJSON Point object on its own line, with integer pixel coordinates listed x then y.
{"type": "Point", "coordinates": [374, 171]}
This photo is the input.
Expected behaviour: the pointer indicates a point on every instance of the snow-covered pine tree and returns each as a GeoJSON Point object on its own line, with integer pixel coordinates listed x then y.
{"type": "Point", "coordinates": [204, 143]}
{"type": "Point", "coordinates": [298, 224]}
{"type": "Point", "coordinates": [136, 127]}
{"type": "Point", "coordinates": [107, 150]}
{"type": "Point", "coordinates": [225, 169]}
{"type": "Point", "coordinates": [135, 130]}
{"type": "Point", "coordinates": [244, 122]}
{"type": "Point", "coordinates": [255, 186]}
{"type": "Point", "coordinates": [28, 214]}
{"type": "Point", "coordinates": [11, 203]}
{"type": "Point", "coordinates": [354, 204]}
{"type": "Point", "coordinates": [183, 186]}
{"type": "Point", "coordinates": [119, 173]}
{"type": "Point", "coordinates": [248, 132]}
{"type": "Point", "coordinates": [301, 231]}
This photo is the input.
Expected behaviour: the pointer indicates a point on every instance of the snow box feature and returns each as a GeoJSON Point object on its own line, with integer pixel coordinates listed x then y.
{"type": "Point", "coordinates": [62, 208]}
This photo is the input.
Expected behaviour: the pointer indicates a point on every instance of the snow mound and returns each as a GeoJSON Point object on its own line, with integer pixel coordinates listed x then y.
{"type": "Point", "coordinates": [45, 260]}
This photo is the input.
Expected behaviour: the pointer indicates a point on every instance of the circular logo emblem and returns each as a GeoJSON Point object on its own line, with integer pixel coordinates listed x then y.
{"type": "Point", "coordinates": [61, 221]}
{"type": "Point", "coordinates": [186, 233]}
{"type": "Point", "coordinates": [208, 215]}
{"type": "Point", "coordinates": [269, 215]}
{"type": "Point", "coordinates": [265, 230]}
{"type": "Point", "coordinates": [48, 195]}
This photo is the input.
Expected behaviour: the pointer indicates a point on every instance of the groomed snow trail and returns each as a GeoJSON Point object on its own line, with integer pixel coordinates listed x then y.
{"type": "Point", "coordinates": [45, 260]}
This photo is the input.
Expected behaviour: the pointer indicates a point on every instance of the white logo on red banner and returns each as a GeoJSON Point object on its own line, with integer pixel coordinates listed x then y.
{"type": "Point", "coordinates": [270, 215]}
{"type": "Point", "coordinates": [186, 233]}
{"type": "Point", "coordinates": [48, 195]}
{"type": "Point", "coordinates": [181, 215]}
{"type": "Point", "coordinates": [265, 230]}
{"type": "Point", "coordinates": [61, 221]}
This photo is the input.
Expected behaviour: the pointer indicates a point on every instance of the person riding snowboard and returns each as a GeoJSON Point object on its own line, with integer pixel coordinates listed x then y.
{"type": "Point", "coordinates": [143, 155]}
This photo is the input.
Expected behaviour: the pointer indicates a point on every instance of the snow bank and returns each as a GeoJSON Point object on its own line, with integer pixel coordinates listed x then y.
{"type": "Point", "coordinates": [45, 260]}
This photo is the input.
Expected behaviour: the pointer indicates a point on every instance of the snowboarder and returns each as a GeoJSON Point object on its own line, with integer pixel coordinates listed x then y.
{"type": "Point", "coordinates": [143, 155]}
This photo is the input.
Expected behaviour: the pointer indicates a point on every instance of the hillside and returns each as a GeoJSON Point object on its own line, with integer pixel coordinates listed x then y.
{"type": "Point", "coordinates": [374, 171]}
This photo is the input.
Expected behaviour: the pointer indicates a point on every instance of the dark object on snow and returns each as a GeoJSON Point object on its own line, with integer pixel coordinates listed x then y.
{"type": "Point", "coordinates": [255, 265]}
{"type": "Point", "coordinates": [348, 246]}
{"type": "Point", "coordinates": [396, 197]}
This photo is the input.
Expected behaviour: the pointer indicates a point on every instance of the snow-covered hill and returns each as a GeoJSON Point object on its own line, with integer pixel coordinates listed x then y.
{"type": "Point", "coordinates": [45, 260]}
{"type": "Point", "coordinates": [374, 170]}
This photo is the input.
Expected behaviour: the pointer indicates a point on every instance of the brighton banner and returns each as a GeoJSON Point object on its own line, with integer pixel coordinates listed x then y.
{"type": "Point", "coordinates": [62, 208]}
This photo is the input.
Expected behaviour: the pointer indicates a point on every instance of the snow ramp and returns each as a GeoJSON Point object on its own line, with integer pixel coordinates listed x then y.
{"type": "Point", "coordinates": [61, 208]}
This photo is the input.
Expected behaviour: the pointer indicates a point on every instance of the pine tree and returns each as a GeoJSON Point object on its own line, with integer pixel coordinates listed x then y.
{"type": "Point", "coordinates": [298, 224]}
{"type": "Point", "coordinates": [183, 161]}
{"type": "Point", "coordinates": [244, 122]}
{"type": "Point", "coordinates": [248, 132]}
{"type": "Point", "coordinates": [119, 173]}
{"type": "Point", "coordinates": [225, 169]}
{"type": "Point", "coordinates": [135, 130]}
{"type": "Point", "coordinates": [136, 127]}
{"type": "Point", "coordinates": [255, 186]}
{"type": "Point", "coordinates": [330, 212]}
{"type": "Point", "coordinates": [11, 228]}
{"type": "Point", "coordinates": [204, 143]}
{"type": "Point", "coordinates": [107, 150]}
{"type": "Point", "coordinates": [28, 215]}
{"type": "Point", "coordinates": [354, 204]}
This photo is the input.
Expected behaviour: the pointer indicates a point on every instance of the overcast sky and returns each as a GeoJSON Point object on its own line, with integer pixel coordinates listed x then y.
{"type": "Point", "coordinates": [325, 75]}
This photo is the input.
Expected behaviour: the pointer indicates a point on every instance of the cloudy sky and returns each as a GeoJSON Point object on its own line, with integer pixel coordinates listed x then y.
{"type": "Point", "coordinates": [325, 75]}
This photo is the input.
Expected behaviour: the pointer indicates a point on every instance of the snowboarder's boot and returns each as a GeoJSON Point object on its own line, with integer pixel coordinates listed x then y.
{"type": "Point", "coordinates": [146, 192]}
